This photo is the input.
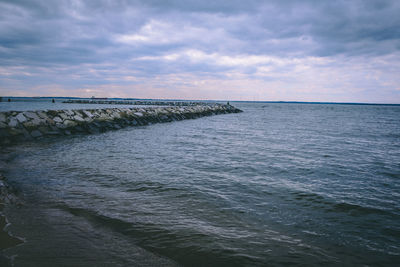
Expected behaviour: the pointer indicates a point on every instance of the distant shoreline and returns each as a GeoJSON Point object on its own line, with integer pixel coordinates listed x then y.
{"type": "Point", "coordinates": [22, 98]}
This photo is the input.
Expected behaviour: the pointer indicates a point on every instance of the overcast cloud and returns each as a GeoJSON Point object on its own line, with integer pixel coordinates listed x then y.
{"type": "Point", "coordinates": [347, 51]}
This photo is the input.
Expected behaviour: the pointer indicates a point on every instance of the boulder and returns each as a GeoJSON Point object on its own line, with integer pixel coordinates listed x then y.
{"type": "Point", "coordinates": [42, 115]}
{"type": "Point", "coordinates": [13, 122]}
{"type": "Point", "coordinates": [21, 118]}
{"type": "Point", "coordinates": [57, 119]}
{"type": "Point", "coordinates": [3, 117]}
{"type": "Point", "coordinates": [78, 118]}
{"type": "Point", "coordinates": [64, 116]}
{"type": "Point", "coordinates": [31, 115]}
{"type": "Point", "coordinates": [32, 123]}
{"type": "Point", "coordinates": [87, 113]}
{"type": "Point", "coordinates": [69, 123]}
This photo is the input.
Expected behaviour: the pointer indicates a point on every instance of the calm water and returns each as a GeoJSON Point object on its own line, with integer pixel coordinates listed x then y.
{"type": "Point", "coordinates": [279, 184]}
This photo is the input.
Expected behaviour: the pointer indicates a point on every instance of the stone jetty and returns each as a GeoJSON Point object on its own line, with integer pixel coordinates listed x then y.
{"type": "Point", "coordinates": [135, 102]}
{"type": "Point", "coordinates": [17, 126]}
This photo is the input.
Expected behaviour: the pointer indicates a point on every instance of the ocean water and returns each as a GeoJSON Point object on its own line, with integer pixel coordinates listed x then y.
{"type": "Point", "coordinates": [279, 184]}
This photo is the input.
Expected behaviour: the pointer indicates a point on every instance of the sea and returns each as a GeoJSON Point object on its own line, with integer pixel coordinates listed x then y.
{"type": "Point", "coordinates": [280, 184]}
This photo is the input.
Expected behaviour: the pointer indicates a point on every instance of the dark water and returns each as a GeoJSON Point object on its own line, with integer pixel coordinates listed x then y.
{"type": "Point", "coordinates": [279, 184]}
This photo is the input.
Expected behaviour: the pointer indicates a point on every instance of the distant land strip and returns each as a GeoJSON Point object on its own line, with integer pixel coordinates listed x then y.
{"type": "Point", "coordinates": [18, 126]}
{"type": "Point", "coordinates": [137, 102]}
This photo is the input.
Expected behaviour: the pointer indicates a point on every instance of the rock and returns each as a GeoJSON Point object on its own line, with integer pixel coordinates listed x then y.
{"type": "Point", "coordinates": [78, 118]}
{"type": "Point", "coordinates": [13, 122]}
{"type": "Point", "coordinates": [64, 116]}
{"type": "Point", "coordinates": [69, 123]}
{"type": "Point", "coordinates": [69, 112]}
{"type": "Point", "coordinates": [103, 117]}
{"type": "Point", "coordinates": [52, 113]}
{"type": "Point", "coordinates": [50, 121]}
{"type": "Point", "coordinates": [2, 117]}
{"type": "Point", "coordinates": [87, 113]}
{"type": "Point", "coordinates": [32, 123]}
{"type": "Point", "coordinates": [36, 134]}
{"type": "Point", "coordinates": [31, 115]}
{"type": "Point", "coordinates": [20, 117]}
{"type": "Point", "coordinates": [57, 120]}
{"type": "Point", "coordinates": [116, 115]}
{"type": "Point", "coordinates": [14, 126]}
{"type": "Point", "coordinates": [42, 115]}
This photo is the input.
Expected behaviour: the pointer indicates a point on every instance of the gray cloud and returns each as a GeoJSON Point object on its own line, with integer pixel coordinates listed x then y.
{"type": "Point", "coordinates": [256, 39]}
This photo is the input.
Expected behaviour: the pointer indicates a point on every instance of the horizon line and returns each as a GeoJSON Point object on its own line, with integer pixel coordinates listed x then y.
{"type": "Point", "coordinates": [243, 101]}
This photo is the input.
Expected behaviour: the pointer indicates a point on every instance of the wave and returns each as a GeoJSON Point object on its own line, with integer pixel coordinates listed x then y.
{"type": "Point", "coordinates": [317, 200]}
{"type": "Point", "coordinates": [184, 246]}
{"type": "Point", "coordinates": [357, 210]}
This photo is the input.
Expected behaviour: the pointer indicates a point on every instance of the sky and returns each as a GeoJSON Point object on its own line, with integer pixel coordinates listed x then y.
{"type": "Point", "coordinates": [310, 50]}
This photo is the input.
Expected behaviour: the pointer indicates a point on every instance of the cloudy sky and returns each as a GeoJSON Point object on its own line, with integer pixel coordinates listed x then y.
{"type": "Point", "coordinates": [345, 51]}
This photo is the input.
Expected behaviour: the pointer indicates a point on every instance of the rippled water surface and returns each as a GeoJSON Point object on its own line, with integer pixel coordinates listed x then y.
{"type": "Point", "coordinates": [279, 184]}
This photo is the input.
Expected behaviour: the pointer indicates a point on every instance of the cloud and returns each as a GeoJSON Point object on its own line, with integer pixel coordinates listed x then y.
{"type": "Point", "coordinates": [337, 50]}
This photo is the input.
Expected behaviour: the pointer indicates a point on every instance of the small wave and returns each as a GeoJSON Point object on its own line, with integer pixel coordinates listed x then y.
{"type": "Point", "coordinates": [310, 197]}
{"type": "Point", "coordinates": [148, 186]}
{"type": "Point", "coordinates": [356, 210]}
{"type": "Point", "coordinates": [333, 206]}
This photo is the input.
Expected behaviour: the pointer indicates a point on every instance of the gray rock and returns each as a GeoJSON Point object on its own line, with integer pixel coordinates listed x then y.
{"type": "Point", "coordinates": [139, 114]}
{"type": "Point", "coordinates": [104, 117]}
{"type": "Point", "coordinates": [31, 115]}
{"type": "Point", "coordinates": [2, 125]}
{"type": "Point", "coordinates": [42, 115]}
{"type": "Point", "coordinates": [69, 112]}
{"type": "Point", "coordinates": [69, 123]}
{"type": "Point", "coordinates": [3, 117]}
{"type": "Point", "coordinates": [13, 122]}
{"type": "Point", "coordinates": [33, 123]}
{"type": "Point", "coordinates": [20, 117]}
{"type": "Point", "coordinates": [116, 115]}
{"type": "Point", "coordinates": [78, 118]}
{"type": "Point", "coordinates": [64, 116]}
{"type": "Point", "coordinates": [57, 119]}
{"type": "Point", "coordinates": [87, 113]}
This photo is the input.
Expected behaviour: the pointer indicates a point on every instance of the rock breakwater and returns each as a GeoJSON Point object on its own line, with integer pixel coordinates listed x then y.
{"type": "Point", "coordinates": [17, 126]}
